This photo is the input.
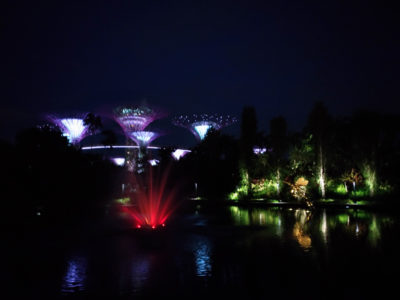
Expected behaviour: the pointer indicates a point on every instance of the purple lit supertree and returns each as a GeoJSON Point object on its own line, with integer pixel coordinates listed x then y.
{"type": "Point", "coordinates": [73, 128]}
{"type": "Point", "coordinates": [143, 138]}
{"type": "Point", "coordinates": [179, 153]}
{"type": "Point", "coordinates": [199, 125]}
{"type": "Point", "coordinates": [132, 118]}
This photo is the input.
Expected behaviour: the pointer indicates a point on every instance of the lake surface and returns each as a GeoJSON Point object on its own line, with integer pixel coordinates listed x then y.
{"type": "Point", "coordinates": [229, 252]}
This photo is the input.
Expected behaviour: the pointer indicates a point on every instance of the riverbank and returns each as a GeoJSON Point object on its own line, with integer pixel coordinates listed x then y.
{"type": "Point", "coordinates": [386, 204]}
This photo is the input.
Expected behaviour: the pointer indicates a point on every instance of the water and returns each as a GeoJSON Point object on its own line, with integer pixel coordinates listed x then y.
{"type": "Point", "coordinates": [228, 252]}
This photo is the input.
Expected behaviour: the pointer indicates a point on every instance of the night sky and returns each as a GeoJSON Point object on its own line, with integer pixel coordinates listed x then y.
{"type": "Point", "coordinates": [187, 57]}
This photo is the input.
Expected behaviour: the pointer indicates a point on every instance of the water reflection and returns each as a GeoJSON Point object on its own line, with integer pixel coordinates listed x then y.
{"type": "Point", "coordinates": [257, 217]}
{"type": "Point", "coordinates": [302, 238]}
{"type": "Point", "coordinates": [75, 276]}
{"type": "Point", "coordinates": [302, 218]}
{"type": "Point", "coordinates": [307, 226]}
{"type": "Point", "coordinates": [324, 227]}
{"type": "Point", "coordinates": [202, 256]}
{"type": "Point", "coordinates": [374, 234]}
{"type": "Point", "coordinates": [140, 273]}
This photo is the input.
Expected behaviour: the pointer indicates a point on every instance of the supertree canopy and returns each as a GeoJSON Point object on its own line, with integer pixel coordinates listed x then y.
{"type": "Point", "coordinates": [132, 118]}
{"type": "Point", "coordinates": [199, 125]}
{"type": "Point", "coordinates": [143, 138]}
{"type": "Point", "coordinates": [179, 153]}
{"type": "Point", "coordinates": [72, 128]}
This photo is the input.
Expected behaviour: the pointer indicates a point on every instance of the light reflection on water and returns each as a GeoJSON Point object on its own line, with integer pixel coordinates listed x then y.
{"type": "Point", "coordinates": [324, 227]}
{"type": "Point", "coordinates": [258, 217]}
{"type": "Point", "coordinates": [202, 256]}
{"type": "Point", "coordinates": [75, 276]}
{"type": "Point", "coordinates": [305, 226]}
{"type": "Point", "coordinates": [238, 249]}
{"type": "Point", "coordinates": [140, 273]}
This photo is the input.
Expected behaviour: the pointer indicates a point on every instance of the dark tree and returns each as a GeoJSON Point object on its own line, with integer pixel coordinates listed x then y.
{"type": "Point", "coordinates": [58, 180]}
{"type": "Point", "coordinates": [248, 139]}
{"type": "Point", "coordinates": [278, 140]}
{"type": "Point", "coordinates": [93, 122]}
{"type": "Point", "coordinates": [248, 136]}
{"type": "Point", "coordinates": [214, 165]}
{"type": "Point", "coordinates": [109, 138]}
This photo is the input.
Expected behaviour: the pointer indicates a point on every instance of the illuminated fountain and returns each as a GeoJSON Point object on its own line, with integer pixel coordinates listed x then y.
{"type": "Point", "coordinates": [199, 125]}
{"type": "Point", "coordinates": [152, 202]}
{"type": "Point", "coordinates": [74, 129]}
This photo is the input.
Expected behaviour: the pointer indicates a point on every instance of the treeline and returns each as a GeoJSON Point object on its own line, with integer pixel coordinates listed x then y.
{"type": "Point", "coordinates": [356, 157]}
{"type": "Point", "coordinates": [45, 177]}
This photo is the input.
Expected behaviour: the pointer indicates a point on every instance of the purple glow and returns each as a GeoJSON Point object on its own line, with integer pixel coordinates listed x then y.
{"type": "Point", "coordinates": [154, 162]}
{"type": "Point", "coordinates": [73, 129]}
{"type": "Point", "coordinates": [179, 153]}
{"type": "Point", "coordinates": [199, 125]}
{"type": "Point", "coordinates": [117, 147]}
{"type": "Point", "coordinates": [257, 150]}
{"type": "Point", "coordinates": [135, 118]}
{"type": "Point", "coordinates": [143, 138]}
{"type": "Point", "coordinates": [119, 161]}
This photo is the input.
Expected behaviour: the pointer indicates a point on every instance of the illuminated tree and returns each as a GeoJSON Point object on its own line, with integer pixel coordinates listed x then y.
{"type": "Point", "coordinates": [200, 125]}
{"type": "Point", "coordinates": [132, 118]}
{"type": "Point", "coordinates": [319, 124]}
{"type": "Point", "coordinates": [143, 138]}
{"type": "Point", "coordinates": [73, 128]}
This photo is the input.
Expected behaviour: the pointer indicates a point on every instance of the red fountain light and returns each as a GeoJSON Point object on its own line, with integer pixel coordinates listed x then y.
{"type": "Point", "coordinates": [152, 203]}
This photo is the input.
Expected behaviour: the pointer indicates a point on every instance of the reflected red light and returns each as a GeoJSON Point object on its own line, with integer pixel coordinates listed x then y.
{"type": "Point", "coordinates": [138, 226]}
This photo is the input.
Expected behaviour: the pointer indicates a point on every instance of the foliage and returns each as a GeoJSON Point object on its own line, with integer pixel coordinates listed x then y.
{"type": "Point", "coordinates": [213, 165]}
{"type": "Point", "coordinates": [50, 175]}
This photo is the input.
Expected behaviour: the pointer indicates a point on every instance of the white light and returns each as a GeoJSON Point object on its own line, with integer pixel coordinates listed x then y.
{"type": "Point", "coordinates": [119, 161]}
{"type": "Point", "coordinates": [179, 153]}
{"type": "Point", "coordinates": [117, 147]}
{"type": "Point", "coordinates": [74, 129]}
{"type": "Point", "coordinates": [257, 150]}
{"type": "Point", "coordinates": [143, 136]}
{"type": "Point", "coordinates": [202, 130]}
{"type": "Point", "coordinates": [154, 162]}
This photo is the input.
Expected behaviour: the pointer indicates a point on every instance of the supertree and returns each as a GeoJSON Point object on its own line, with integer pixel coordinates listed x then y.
{"type": "Point", "coordinates": [143, 138]}
{"type": "Point", "coordinates": [132, 118]}
{"type": "Point", "coordinates": [200, 124]}
{"type": "Point", "coordinates": [179, 153]}
{"type": "Point", "coordinates": [73, 128]}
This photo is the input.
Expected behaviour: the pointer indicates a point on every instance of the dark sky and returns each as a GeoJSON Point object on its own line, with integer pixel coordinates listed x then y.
{"type": "Point", "coordinates": [197, 56]}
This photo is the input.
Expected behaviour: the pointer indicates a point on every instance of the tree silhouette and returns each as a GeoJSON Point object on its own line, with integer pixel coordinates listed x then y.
{"type": "Point", "coordinates": [279, 142]}
{"type": "Point", "coordinates": [93, 122]}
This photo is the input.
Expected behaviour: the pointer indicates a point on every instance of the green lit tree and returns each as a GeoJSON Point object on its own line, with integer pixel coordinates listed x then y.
{"type": "Point", "coordinates": [319, 127]}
